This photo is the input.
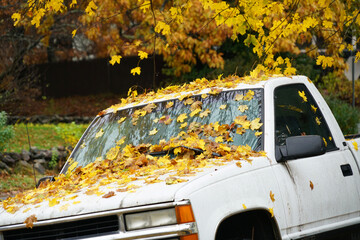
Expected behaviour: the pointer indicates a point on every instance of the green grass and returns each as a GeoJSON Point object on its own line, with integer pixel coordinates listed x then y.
{"type": "Point", "coordinates": [45, 136]}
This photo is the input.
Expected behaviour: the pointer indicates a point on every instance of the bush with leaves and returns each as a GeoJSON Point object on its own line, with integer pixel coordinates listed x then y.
{"type": "Point", "coordinates": [6, 132]}
{"type": "Point", "coordinates": [346, 116]}
{"type": "Point", "coordinates": [70, 133]}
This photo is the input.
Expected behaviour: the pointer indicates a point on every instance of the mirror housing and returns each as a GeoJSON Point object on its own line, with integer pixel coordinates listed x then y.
{"type": "Point", "coordinates": [300, 147]}
{"type": "Point", "coordinates": [44, 179]}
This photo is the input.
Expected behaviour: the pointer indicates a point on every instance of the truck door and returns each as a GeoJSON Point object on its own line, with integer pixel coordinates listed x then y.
{"type": "Point", "coordinates": [318, 190]}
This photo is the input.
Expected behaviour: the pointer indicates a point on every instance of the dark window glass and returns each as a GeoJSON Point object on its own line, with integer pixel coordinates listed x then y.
{"type": "Point", "coordinates": [296, 113]}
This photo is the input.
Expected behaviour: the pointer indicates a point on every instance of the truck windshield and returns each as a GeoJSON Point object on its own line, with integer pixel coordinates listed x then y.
{"type": "Point", "coordinates": [227, 115]}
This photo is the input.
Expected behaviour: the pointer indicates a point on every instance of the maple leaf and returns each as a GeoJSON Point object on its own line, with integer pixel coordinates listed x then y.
{"type": "Point", "coordinates": [196, 111]}
{"type": "Point", "coordinates": [136, 70]}
{"type": "Point", "coordinates": [302, 95]}
{"type": "Point", "coordinates": [215, 91]}
{"type": "Point", "coordinates": [181, 117]}
{"type": "Point", "coordinates": [271, 211]}
{"type": "Point", "coordinates": [188, 101]}
{"type": "Point", "coordinates": [183, 125]}
{"type": "Point", "coordinates": [222, 107]}
{"type": "Point", "coordinates": [153, 132]}
{"type": "Point", "coordinates": [73, 33]}
{"type": "Point", "coordinates": [272, 196]}
{"type": "Point", "coordinates": [16, 17]}
{"type": "Point", "coordinates": [313, 108]}
{"type": "Point", "coordinates": [91, 7]}
{"type": "Point", "coordinates": [219, 139]}
{"type": "Point", "coordinates": [249, 95]}
{"type": "Point", "coordinates": [109, 194]}
{"type": "Point", "coordinates": [115, 59]}
{"type": "Point", "coordinates": [244, 206]}
{"type": "Point", "coordinates": [238, 164]}
{"type": "Point", "coordinates": [169, 104]}
{"type": "Point", "coordinates": [99, 133]}
{"type": "Point", "coordinates": [243, 108]}
{"type": "Point", "coordinates": [355, 144]}
{"type": "Point", "coordinates": [162, 28]}
{"type": "Point", "coordinates": [148, 108]}
{"type": "Point", "coordinates": [121, 120]}
{"type": "Point", "coordinates": [29, 221]}
{"type": "Point", "coordinates": [196, 105]}
{"type": "Point", "coordinates": [258, 134]}
{"type": "Point", "coordinates": [142, 54]}
{"type": "Point", "coordinates": [239, 97]}
{"type": "Point", "coordinates": [204, 95]}
{"type": "Point", "coordinates": [311, 185]}
{"type": "Point", "coordinates": [255, 124]}
{"type": "Point", "coordinates": [317, 120]}
{"type": "Point", "coordinates": [325, 142]}
{"type": "Point", "coordinates": [205, 113]}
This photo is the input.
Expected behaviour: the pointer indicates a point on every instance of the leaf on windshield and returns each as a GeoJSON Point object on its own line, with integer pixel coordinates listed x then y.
{"type": "Point", "coordinates": [148, 108]}
{"type": "Point", "coordinates": [183, 125]}
{"type": "Point", "coordinates": [29, 222]}
{"type": "Point", "coordinates": [243, 108]}
{"type": "Point", "coordinates": [121, 141]}
{"type": "Point", "coordinates": [181, 117]}
{"type": "Point", "coordinates": [325, 142]}
{"type": "Point", "coordinates": [317, 120]}
{"type": "Point", "coordinates": [121, 120]}
{"type": "Point", "coordinates": [222, 107]}
{"type": "Point", "coordinates": [255, 124]}
{"type": "Point", "coordinates": [99, 133]}
{"type": "Point", "coordinates": [169, 104]}
{"type": "Point", "coordinates": [258, 134]}
{"type": "Point", "coordinates": [239, 97]}
{"type": "Point", "coordinates": [188, 101]}
{"type": "Point", "coordinates": [196, 111]}
{"type": "Point", "coordinates": [113, 153]}
{"type": "Point", "coordinates": [241, 120]}
{"type": "Point", "coordinates": [219, 139]}
{"type": "Point", "coordinates": [215, 91]}
{"type": "Point", "coordinates": [196, 105]}
{"type": "Point", "coordinates": [153, 132]}
{"type": "Point", "coordinates": [313, 108]}
{"type": "Point", "coordinates": [205, 113]}
{"type": "Point", "coordinates": [249, 95]}
{"type": "Point", "coordinates": [204, 95]}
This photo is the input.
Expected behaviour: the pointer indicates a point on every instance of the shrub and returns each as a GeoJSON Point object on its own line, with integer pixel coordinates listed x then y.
{"type": "Point", "coordinates": [6, 132]}
{"type": "Point", "coordinates": [70, 133]}
{"type": "Point", "coordinates": [347, 116]}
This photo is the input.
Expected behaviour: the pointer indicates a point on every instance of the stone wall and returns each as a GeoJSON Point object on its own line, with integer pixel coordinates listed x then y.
{"type": "Point", "coordinates": [38, 119]}
{"type": "Point", "coordinates": [37, 158]}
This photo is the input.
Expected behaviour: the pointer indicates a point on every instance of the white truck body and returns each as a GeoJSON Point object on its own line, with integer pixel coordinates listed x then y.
{"type": "Point", "coordinates": [312, 195]}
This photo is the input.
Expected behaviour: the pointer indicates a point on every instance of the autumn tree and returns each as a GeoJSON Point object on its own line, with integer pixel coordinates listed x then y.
{"type": "Point", "coordinates": [188, 32]}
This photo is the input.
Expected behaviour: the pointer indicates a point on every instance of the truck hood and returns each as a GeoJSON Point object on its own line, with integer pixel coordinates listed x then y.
{"type": "Point", "coordinates": [143, 194]}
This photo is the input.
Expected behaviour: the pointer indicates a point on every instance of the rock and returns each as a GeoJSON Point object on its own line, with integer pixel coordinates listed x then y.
{"type": "Point", "coordinates": [39, 167]}
{"type": "Point", "coordinates": [25, 155]}
{"type": "Point", "coordinates": [41, 161]}
{"type": "Point", "coordinates": [47, 154]}
{"type": "Point", "coordinates": [61, 148]}
{"type": "Point", "coordinates": [25, 167]}
{"type": "Point", "coordinates": [8, 160]}
{"type": "Point", "coordinates": [4, 166]}
{"type": "Point", "coordinates": [15, 156]}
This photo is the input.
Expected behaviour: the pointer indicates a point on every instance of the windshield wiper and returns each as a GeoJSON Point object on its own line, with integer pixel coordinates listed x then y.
{"type": "Point", "coordinates": [171, 151]}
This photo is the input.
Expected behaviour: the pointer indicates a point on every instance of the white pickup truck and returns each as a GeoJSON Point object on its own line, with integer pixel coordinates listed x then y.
{"type": "Point", "coordinates": [237, 158]}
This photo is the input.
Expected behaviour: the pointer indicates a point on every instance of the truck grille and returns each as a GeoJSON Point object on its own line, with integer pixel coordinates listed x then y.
{"type": "Point", "coordinates": [93, 226]}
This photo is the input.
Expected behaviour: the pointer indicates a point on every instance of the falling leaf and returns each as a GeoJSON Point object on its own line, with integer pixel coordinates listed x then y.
{"type": "Point", "coordinates": [239, 97]}
{"type": "Point", "coordinates": [109, 194]}
{"type": "Point", "coordinates": [181, 117]}
{"type": "Point", "coordinates": [169, 104]}
{"type": "Point", "coordinates": [222, 107]}
{"type": "Point", "coordinates": [355, 144]}
{"type": "Point", "coordinates": [135, 71]}
{"type": "Point", "coordinates": [317, 120]}
{"type": "Point", "coordinates": [153, 132]}
{"type": "Point", "coordinates": [302, 95]}
{"type": "Point", "coordinates": [142, 54]}
{"type": "Point", "coordinates": [99, 133]}
{"type": "Point", "coordinates": [311, 185]}
{"type": "Point", "coordinates": [243, 108]}
{"type": "Point", "coordinates": [272, 196]}
{"type": "Point", "coordinates": [30, 221]}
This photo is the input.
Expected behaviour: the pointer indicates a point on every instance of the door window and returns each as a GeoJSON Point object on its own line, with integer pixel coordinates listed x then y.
{"type": "Point", "coordinates": [296, 113]}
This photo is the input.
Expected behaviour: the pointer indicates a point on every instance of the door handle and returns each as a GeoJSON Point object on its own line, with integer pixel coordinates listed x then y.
{"type": "Point", "coordinates": [346, 170]}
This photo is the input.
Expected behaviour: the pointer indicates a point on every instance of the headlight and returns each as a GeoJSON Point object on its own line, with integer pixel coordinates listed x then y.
{"type": "Point", "coordinates": [150, 219]}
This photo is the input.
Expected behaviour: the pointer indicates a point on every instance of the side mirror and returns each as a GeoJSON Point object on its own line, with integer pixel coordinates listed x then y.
{"type": "Point", "coordinates": [300, 147]}
{"type": "Point", "coordinates": [44, 179]}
